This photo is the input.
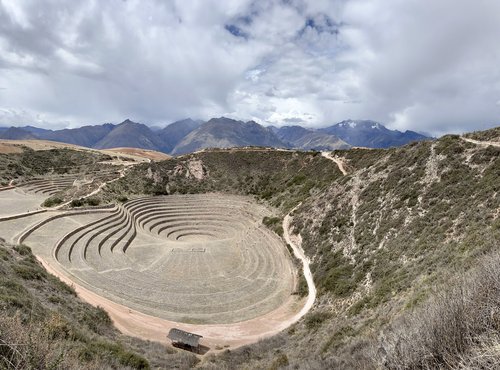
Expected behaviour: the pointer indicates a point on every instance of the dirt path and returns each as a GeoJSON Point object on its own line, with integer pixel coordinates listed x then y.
{"type": "Point", "coordinates": [339, 163]}
{"type": "Point", "coordinates": [478, 142]}
{"type": "Point", "coordinates": [295, 242]}
{"type": "Point", "coordinates": [216, 337]}
{"type": "Point", "coordinates": [122, 174]}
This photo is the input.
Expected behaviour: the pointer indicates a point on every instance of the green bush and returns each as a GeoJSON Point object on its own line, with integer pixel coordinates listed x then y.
{"type": "Point", "coordinates": [280, 361]}
{"type": "Point", "coordinates": [93, 201]}
{"type": "Point", "coordinates": [52, 202]}
{"type": "Point", "coordinates": [77, 203]}
{"type": "Point", "coordinates": [273, 223]}
{"type": "Point", "coordinates": [122, 199]}
{"type": "Point", "coordinates": [22, 249]}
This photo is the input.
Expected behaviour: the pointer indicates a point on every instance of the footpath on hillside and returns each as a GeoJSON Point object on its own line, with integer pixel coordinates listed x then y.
{"type": "Point", "coordinates": [478, 142]}
{"type": "Point", "coordinates": [337, 161]}
{"type": "Point", "coordinates": [295, 242]}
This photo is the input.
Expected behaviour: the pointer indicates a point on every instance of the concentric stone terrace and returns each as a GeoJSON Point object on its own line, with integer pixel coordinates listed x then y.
{"type": "Point", "coordinates": [193, 258]}
{"type": "Point", "coordinates": [52, 185]}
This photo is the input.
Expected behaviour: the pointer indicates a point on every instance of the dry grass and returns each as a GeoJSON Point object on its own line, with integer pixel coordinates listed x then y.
{"type": "Point", "coordinates": [459, 328]}
{"type": "Point", "coordinates": [8, 148]}
{"type": "Point", "coordinates": [140, 154]}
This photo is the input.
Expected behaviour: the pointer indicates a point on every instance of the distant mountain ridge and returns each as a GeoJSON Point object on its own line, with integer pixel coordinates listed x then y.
{"type": "Point", "coordinates": [225, 133]}
{"type": "Point", "coordinates": [175, 132]}
{"type": "Point", "coordinates": [371, 134]}
{"type": "Point", "coordinates": [16, 133]}
{"type": "Point", "coordinates": [301, 138]}
{"type": "Point", "coordinates": [188, 135]}
{"type": "Point", "coordinates": [130, 134]}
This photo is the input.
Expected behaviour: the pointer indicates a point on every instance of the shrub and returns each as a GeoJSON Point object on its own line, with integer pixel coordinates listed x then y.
{"type": "Point", "coordinates": [273, 223]}
{"type": "Point", "coordinates": [122, 198]}
{"type": "Point", "coordinates": [93, 201]}
{"type": "Point", "coordinates": [280, 361]}
{"type": "Point", "coordinates": [456, 329]}
{"type": "Point", "coordinates": [22, 249]}
{"type": "Point", "coordinates": [77, 202]}
{"type": "Point", "coordinates": [52, 202]}
{"type": "Point", "coordinates": [96, 320]}
{"type": "Point", "coordinates": [315, 319]}
{"type": "Point", "coordinates": [29, 270]}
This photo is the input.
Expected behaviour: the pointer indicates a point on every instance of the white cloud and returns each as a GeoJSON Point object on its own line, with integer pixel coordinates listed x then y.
{"type": "Point", "coordinates": [427, 66]}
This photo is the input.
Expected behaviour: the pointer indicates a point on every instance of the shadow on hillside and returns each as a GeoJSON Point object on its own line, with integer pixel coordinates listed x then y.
{"type": "Point", "coordinates": [201, 350]}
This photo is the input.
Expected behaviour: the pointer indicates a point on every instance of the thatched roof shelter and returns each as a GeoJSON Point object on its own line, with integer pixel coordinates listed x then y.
{"type": "Point", "coordinates": [183, 337]}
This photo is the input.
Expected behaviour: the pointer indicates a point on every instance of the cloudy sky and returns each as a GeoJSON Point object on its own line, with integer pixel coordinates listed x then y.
{"type": "Point", "coordinates": [430, 66]}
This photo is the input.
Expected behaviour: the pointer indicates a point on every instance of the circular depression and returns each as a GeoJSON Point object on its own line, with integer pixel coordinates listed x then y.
{"type": "Point", "coordinates": [190, 258]}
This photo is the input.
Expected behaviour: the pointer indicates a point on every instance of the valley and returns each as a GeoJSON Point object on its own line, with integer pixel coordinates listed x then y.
{"type": "Point", "coordinates": [199, 242]}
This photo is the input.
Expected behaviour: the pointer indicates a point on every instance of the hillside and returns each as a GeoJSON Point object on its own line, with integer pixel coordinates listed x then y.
{"type": "Point", "coordinates": [58, 330]}
{"type": "Point", "coordinates": [371, 134]}
{"type": "Point", "coordinates": [491, 135]}
{"type": "Point", "coordinates": [401, 223]}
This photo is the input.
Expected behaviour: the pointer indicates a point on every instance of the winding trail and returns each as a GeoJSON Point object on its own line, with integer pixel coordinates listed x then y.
{"type": "Point", "coordinates": [295, 242]}
{"type": "Point", "coordinates": [483, 143]}
{"type": "Point", "coordinates": [339, 163]}
{"type": "Point", "coordinates": [122, 174]}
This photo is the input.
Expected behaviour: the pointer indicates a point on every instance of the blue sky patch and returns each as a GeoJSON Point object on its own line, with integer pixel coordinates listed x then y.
{"type": "Point", "coordinates": [236, 31]}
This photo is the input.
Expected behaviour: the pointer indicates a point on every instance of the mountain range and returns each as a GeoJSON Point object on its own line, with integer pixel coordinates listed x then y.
{"type": "Point", "coordinates": [188, 135]}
